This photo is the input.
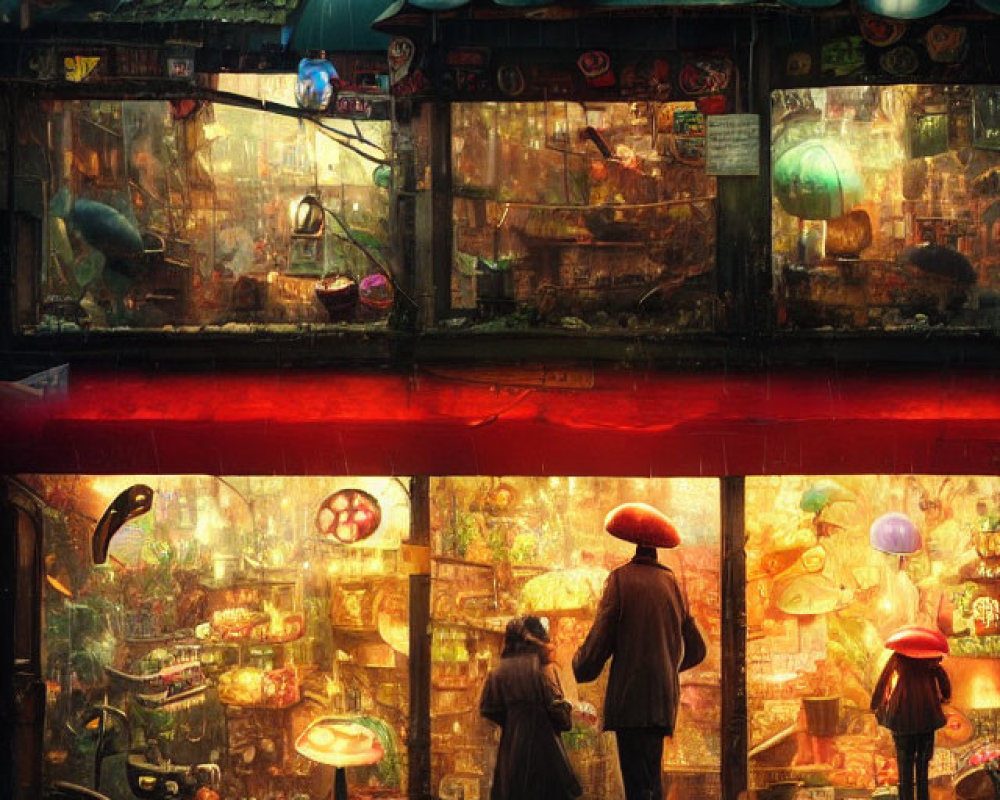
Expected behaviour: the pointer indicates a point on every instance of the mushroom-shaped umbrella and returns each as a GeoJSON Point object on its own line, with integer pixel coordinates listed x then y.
{"type": "Point", "coordinates": [917, 641]}
{"type": "Point", "coordinates": [817, 496]}
{"type": "Point", "coordinates": [339, 742]}
{"type": "Point", "coordinates": [895, 533]}
{"type": "Point", "coordinates": [641, 524]}
{"type": "Point", "coordinates": [816, 179]}
{"type": "Point", "coordinates": [934, 259]}
{"type": "Point", "coordinates": [897, 536]}
{"type": "Point", "coordinates": [813, 593]}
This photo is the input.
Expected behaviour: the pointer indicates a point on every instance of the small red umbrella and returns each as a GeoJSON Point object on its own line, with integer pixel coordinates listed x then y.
{"type": "Point", "coordinates": [916, 641]}
{"type": "Point", "coordinates": [641, 524]}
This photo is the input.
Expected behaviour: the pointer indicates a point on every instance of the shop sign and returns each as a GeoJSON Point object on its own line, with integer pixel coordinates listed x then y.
{"type": "Point", "coordinates": [986, 615]}
{"type": "Point", "coordinates": [80, 67]}
{"type": "Point", "coordinates": [182, 68]}
{"type": "Point", "coordinates": [680, 129]}
{"type": "Point", "coordinates": [99, 65]}
{"type": "Point", "coordinates": [466, 70]}
{"type": "Point", "coordinates": [732, 144]}
{"type": "Point", "coordinates": [353, 106]}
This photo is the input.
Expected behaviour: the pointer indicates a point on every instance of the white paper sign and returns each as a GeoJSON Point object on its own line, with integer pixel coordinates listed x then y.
{"type": "Point", "coordinates": [732, 144]}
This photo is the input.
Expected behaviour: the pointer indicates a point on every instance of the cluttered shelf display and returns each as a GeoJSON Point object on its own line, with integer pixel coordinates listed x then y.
{"type": "Point", "coordinates": [601, 214]}
{"type": "Point", "coordinates": [514, 545]}
{"type": "Point", "coordinates": [242, 637]}
{"type": "Point", "coordinates": [885, 207]}
{"type": "Point", "coordinates": [835, 567]}
{"type": "Point", "coordinates": [180, 215]}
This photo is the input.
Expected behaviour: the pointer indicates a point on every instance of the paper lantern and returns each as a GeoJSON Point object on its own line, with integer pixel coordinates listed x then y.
{"type": "Point", "coordinates": [849, 235]}
{"type": "Point", "coordinates": [904, 9]}
{"type": "Point", "coordinates": [382, 176]}
{"type": "Point", "coordinates": [816, 179]}
{"type": "Point", "coordinates": [641, 524]}
{"type": "Point", "coordinates": [349, 516]}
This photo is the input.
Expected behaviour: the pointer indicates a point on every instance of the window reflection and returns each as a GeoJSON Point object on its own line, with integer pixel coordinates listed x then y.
{"type": "Point", "coordinates": [178, 213]}
{"type": "Point", "coordinates": [582, 215]}
{"type": "Point", "coordinates": [505, 546]}
{"type": "Point", "coordinates": [885, 206]}
{"type": "Point", "coordinates": [835, 565]}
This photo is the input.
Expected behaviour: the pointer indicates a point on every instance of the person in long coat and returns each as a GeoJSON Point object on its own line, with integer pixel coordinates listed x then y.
{"type": "Point", "coordinates": [907, 700]}
{"type": "Point", "coordinates": [640, 625]}
{"type": "Point", "coordinates": [523, 695]}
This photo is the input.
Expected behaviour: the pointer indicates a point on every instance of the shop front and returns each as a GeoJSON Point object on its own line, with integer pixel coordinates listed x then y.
{"type": "Point", "coordinates": [251, 601]}
{"type": "Point", "coordinates": [347, 379]}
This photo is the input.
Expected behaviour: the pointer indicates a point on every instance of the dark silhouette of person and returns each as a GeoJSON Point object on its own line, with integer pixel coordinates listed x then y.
{"type": "Point", "coordinates": [907, 700]}
{"type": "Point", "coordinates": [523, 695]}
{"type": "Point", "coordinates": [639, 625]}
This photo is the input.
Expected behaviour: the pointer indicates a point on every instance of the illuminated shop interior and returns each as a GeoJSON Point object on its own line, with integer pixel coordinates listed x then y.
{"type": "Point", "coordinates": [248, 632]}
{"type": "Point", "coordinates": [886, 201]}
{"type": "Point", "coordinates": [825, 588]}
{"type": "Point", "coordinates": [186, 213]}
{"type": "Point", "coordinates": [253, 634]}
{"type": "Point", "coordinates": [602, 212]}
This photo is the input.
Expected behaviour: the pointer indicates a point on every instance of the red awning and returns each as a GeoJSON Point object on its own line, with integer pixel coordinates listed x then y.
{"type": "Point", "coordinates": [507, 422]}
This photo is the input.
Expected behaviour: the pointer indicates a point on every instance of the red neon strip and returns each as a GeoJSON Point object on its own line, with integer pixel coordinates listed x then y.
{"type": "Point", "coordinates": [627, 424]}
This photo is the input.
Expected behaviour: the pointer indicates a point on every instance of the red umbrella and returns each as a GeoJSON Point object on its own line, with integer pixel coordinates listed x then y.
{"type": "Point", "coordinates": [641, 524]}
{"type": "Point", "coordinates": [917, 641]}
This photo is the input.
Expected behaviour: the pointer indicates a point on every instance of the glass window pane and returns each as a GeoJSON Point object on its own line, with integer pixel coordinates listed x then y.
{"type": "Point", "coordinates": [181, 214]}
{"type": "Point", "coordinates": [598, 213]}
{"type": "Point", "coordinates": [509, 546]}
{"type": "Point", "coordinates": [835, 565]}
{"type": "Point", "coordinates": [885, 206]}
{"type": "Point", "coordinates": [249, 634]}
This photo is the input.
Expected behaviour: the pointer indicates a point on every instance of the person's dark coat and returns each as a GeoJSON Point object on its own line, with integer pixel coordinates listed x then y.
{"type": "Point", "coordinates": [525, 698]}
{"type": "Point", "coordinates": [908, 694]}
{"type": "Point", "coordinates": [638, 626]}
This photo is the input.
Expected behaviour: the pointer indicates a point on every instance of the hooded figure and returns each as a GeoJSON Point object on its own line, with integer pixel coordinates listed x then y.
{"type": "Point", "coordinates": [524, 697]}
{"type": "Point", "coordinates": [907, 700]}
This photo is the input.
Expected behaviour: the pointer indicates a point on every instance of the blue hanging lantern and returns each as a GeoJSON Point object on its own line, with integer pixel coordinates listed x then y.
{"type": "Point", "coordinates": [315, 84]}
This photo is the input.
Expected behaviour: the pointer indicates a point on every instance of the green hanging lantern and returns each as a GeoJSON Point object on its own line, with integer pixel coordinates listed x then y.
{"type": "Point", "coordinates": [816, 179]}
{"type": "Point", "coordinates": [382, 176]}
